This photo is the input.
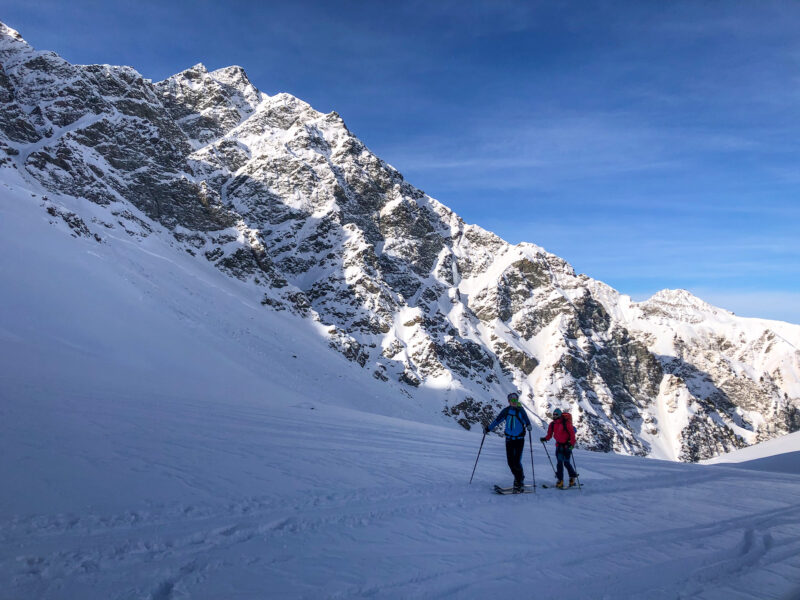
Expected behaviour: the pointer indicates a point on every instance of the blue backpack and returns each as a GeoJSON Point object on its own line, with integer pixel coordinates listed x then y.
{"type": "Point", "coordinates": [515, 426]}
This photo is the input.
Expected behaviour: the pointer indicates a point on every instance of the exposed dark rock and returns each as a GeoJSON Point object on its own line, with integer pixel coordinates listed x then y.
{"type": "Point", "coordinates": [409, 378]}
{"type": "Point", "coordinates": [471, 412]}
{"type": "Point", "coordinates": [705, 438]}
{"type": "Point", "coordinates": [512, 357]}
{"type": "Point", "coordinates": [74, 222]}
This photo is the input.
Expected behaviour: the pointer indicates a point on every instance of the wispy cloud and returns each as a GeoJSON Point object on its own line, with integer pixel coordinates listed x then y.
{"type": "Point", "coordinates": [545, 147]}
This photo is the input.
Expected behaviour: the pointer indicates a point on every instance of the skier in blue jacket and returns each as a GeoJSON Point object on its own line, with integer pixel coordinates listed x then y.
{"type": "Point", "coordinates": [516, 423]}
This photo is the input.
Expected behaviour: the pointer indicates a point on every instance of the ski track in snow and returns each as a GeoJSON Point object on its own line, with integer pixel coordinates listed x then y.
{"type": "Point", "coordinates": [638, 529]}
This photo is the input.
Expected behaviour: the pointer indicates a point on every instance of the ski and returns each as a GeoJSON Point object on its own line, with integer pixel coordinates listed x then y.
{"type": "Point", "coordinates": [552, 487]}
{"type": "Point", "coordinates": [526, 489]}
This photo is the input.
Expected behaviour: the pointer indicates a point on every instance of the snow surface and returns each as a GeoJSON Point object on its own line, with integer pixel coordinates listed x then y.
{"type": "Point", "coordinates": [160, 438]}
{"type": "Point", "coordinates": [780, 454]}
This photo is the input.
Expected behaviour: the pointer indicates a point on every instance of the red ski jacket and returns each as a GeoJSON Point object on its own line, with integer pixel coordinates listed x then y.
{"type": "Point", "coordinates": [562, 430]}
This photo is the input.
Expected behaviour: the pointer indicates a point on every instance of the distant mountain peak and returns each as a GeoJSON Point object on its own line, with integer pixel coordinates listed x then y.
{"type": "Point", "coordinates": [7, 34]}
{"type": "Point", "coordinates": [681, 297]}
{"type": "Point", "coordinates": [13, 46]}
{"type": "Point", "coordinates": [233, 75]}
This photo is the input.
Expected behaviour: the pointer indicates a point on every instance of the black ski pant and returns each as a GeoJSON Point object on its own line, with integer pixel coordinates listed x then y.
{"type": "Point", "coordinates": [563, 455]}
{"type": "Point", "coordinates": [514, 450]}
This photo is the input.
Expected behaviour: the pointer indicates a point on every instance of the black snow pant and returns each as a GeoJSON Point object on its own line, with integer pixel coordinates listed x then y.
{"type": "Point", "coordinates": [514, 450]}
{"type": "Point", "coordinates": [563, 454]}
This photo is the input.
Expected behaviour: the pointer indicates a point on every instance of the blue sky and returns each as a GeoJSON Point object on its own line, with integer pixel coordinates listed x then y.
{"type": "Point", "coordinates": [651, 144]}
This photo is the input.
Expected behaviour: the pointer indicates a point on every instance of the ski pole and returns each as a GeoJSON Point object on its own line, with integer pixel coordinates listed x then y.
{"type": "Point", "coordinates": [548, 458]}
{"type": "Point", "coordinates": [533, 473]}
{"type": "Point", "coordinates": [575, 466]}
{"type": "Point", "coordinates": [476, 460]}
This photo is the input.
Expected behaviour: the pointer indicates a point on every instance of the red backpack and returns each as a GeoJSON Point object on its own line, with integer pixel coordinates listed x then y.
{"type": "Point", "coordinates": [567, 427]}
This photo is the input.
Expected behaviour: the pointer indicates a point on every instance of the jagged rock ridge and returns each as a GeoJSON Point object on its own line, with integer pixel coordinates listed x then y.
{"type": "Point", "coordinates": [290, 202]}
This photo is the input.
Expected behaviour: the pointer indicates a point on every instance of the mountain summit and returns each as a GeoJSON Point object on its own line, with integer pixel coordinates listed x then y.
{"type": "Point", "coordinates": [291, 205]}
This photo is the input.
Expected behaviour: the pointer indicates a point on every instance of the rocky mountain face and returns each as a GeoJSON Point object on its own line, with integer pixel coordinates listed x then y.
{"type": "Point", "coordinates": [290, 202]}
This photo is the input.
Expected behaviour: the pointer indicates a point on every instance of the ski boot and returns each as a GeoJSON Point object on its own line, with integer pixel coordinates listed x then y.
{"type": "Point", "coordinates": [560, 484]}
{"type": "Point", "coordinates": [572, 482]}
{"type": "Point", "coordinates": [518, 487]}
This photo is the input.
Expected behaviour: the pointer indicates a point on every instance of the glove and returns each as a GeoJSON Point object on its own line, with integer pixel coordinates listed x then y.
{"type": "Point", "coordinates": [528, 427]}
{"type": "Point", "coordinates": [542, 439]}
{"type": "Point", "coordinates": [570, 446]}
{"type": "Point", "coordinates": [485, 430]}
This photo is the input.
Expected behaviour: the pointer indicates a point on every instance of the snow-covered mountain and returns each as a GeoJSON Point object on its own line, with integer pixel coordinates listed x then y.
{"type": "Point", "coordinates": [164, 434]}
{"type": "Point", "coordinates": [305, 221]}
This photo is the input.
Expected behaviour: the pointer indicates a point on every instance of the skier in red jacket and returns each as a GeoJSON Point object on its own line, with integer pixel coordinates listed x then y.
{"type": "Point", "coordinates": [562, 429]}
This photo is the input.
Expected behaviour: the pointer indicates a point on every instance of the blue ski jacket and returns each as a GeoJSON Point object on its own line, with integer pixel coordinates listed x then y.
{"type": "Point", "coordinates": [516, 422]}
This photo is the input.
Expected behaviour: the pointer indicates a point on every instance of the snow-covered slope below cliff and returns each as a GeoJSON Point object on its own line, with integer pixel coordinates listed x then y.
{"type": "Point", "coordinates": [142, 319]}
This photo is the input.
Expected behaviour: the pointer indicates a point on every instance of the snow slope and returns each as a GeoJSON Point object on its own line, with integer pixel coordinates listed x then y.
{"type": "Point", "coordinates": [780, 455]}
{"type": "Point", "coordinates": [161, 438]}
